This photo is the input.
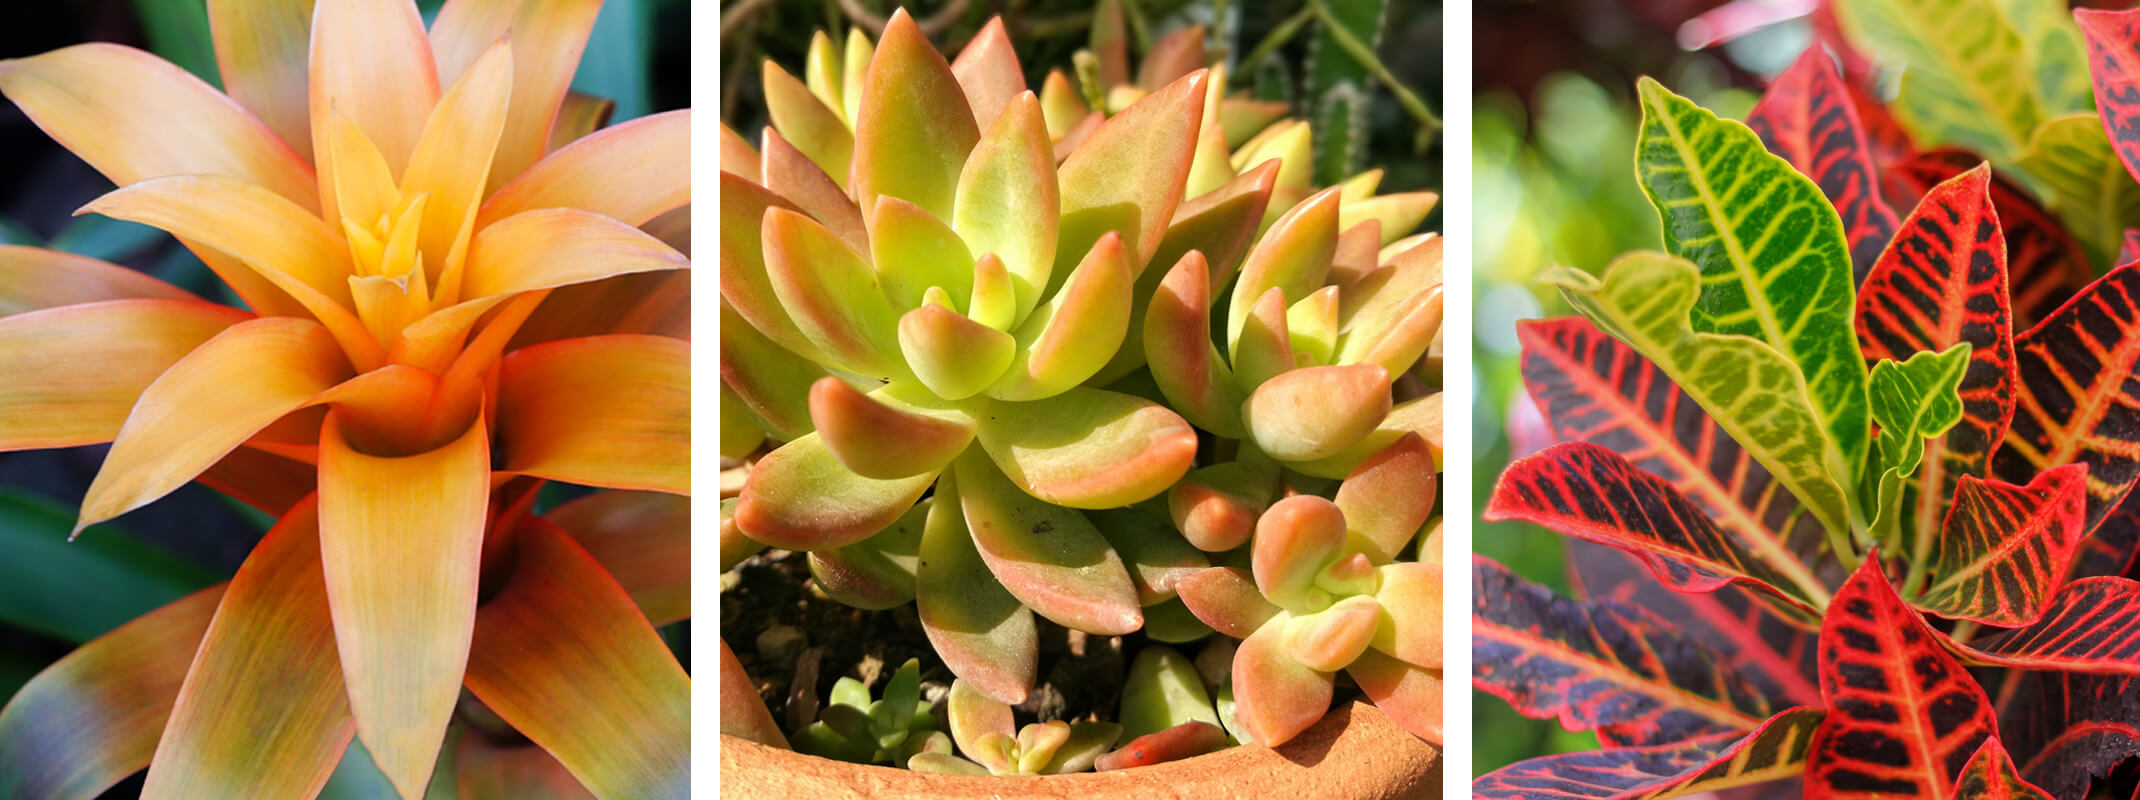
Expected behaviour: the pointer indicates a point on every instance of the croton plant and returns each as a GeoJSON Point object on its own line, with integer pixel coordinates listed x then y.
{"type": "Point", "coordinates": [1847, 465]}
{"type": "Point", "coordinates": [456, 288]}
{"type": "Point", "coordinates": [1014, 357]}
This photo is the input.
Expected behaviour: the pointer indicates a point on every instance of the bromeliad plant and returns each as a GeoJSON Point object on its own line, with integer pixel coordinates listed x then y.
{"type": "Point", "coordinates": [968, 348]}
{"type": "Point", "coordinates": [1870, 520]}
{"type": "Point", "coordinates": [393, 205]}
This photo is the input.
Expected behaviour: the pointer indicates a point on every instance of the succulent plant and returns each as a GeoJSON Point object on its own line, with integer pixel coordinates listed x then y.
{"type": "Point", "coordinates": [1325, 593]}
{"type": "Point", "coordinates": [888, 730]}
{"type": "Point", "coordinates": [940, 290]}
{"type": "Point", "coordinates": [993, 744]}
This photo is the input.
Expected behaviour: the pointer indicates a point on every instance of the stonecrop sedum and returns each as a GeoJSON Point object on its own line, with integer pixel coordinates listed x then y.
{"type": "Point", "coordinates": [969, 353]}
{"type": "Point", "coordinates": [451, 296]}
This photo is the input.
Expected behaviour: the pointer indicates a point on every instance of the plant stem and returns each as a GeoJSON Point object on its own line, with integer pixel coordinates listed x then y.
{"type": "Point", "coordinates": [1964, 631]}
{"type": "Point", "coordinates": [1913, 584]}
{"type": "Point", "coordinates": [1839, 540]}
{"type": "Point", "coordinates": [1274, 40]}
{"type": "Point", "coordinates": [1429, 123]}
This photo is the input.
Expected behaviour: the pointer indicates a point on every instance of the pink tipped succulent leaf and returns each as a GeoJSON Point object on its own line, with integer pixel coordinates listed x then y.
{"type": "Point", "coordinates": [1294, 541]}
{"type": "Point", "coordinates": [1264, 348]}
{"type": "Point", "coordinates": [1051, 558]}
{"type": "Point", "coordinates": [1197, 382]}
{"type": "Point", "coordinates": [1157, 558]}
{"type": "Point", "coordinates": [1409, 695]}
{"type": "Point", "coordinates": [1389, 497]}
{"type": "Point", "coordinates": [1073, 335]}
{"type": "Point", "coordinates": [1317, 412]}
{"type": "Point", "coordinates": [1187, 740]}
{"type": "Point", "coordinates": [1163, 691]}
{"type": "Point", "coordinates": [1328, 640]}
{"type": "Point", "coordinates": [914, 130]}
{"type": "Point", "coordinates": [982, 632]}
{"type": "Point", "coordinates": [1293, 255]}
{"type": "Point", "coordinates": [1409, 596]}
{"type": "Point", "coordinates": [987, 70]}
{"type": "Point", "coordinates": [801, 497]}
{"type": "Point", "coordinates": [876, 572]}
{"type": "Point", "coordinates": [1008, 201]}
{"type": "Point", "coordinates": [1226, 598]}
{"type": "Point", "coordinates": [1216, 507]}
{"type": "Point", "coordinates": [1088, 448]}
{"type": "Point", "coordinates": [1276, 697]}
{"type": "Point", "coordinates": [880, 436]}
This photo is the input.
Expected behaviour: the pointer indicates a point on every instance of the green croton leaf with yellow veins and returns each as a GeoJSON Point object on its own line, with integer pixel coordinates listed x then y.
{"type": "Point", "coordinates": [1911, 401]}
{"type": "Point", "coordinates": [1967, 80]}
{"type": "Point", "coordinates": [2084, 183]}
{"type": "Point", "coordinates": [1754, 392]}
{"type": "Point", "coordinates": [1773, 261]}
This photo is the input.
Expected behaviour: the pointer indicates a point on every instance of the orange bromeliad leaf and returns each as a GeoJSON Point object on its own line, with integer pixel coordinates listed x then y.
{"type": "Point", "coordinates": [385, 81]}
{"type": "Point", "coordinates": [400, 540]}
{"type": "Point", "coordinates": [52, 401]}
{"type": "Point", "coordinates": [32, 278]}
{"type": "Point", "coordinates": [191, 417]}
{"type": "Point", "coordinates": [80, 726]}
{"type": "Point", "coordinates": [261, 48]}
{"type": "Point", "coordinates": [262, 710]}
{"type": "Point", "coordinates": [643, 539]}
{"type": "Point", "coordinates": [627, 172]}
{"type": "Point", "coordinates": [612, 411]}
{"type": "Point", "coordinates": [538, 31]}
{"type": "Point", "coordinates": [563, 656]}
{"type": "Point", "coordinates": [487, 770]}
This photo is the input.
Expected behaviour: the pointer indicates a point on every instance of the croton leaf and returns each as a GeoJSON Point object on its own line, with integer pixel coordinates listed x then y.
{"type": "Point", "coordinates": [2067, 728]}
{"type": "Point", "coordinates": [1969, 83]}
{"type": "Point", "coordinates": [2004, 548]}
{"type": "Point", "coordinates": [1752, 391]}
{"type": "Point", "coordinates": [1588, 492]}
{"type": "Point", "coordinates": [1720, 760]}
{"type": "Point", "coordinates": [1593, 388]}
{"type": "Point", "coordinates": [1942, 282]}
{"type": "Point", "coordinates": [2069, 158]}
{"type": "Point", "coordinates": [2077, 400]}
{"type": "Point", "coordinates": [2045, 264]}
{"type": "Point", "coordinates": [1911, 401]}
{"type": "Point", "coordinates": [2114, 68]}
{"type": "Point", "coordinates": [1600, 663]}
{"type": "Point", "coordinates": [1772, 647]}
{"type": "Point", "coordinates": [2090, 625]}
{"type": "Point", "coordinates": [2112, 548]}
{"type": "Point", "coordinates": [1991, 776]}
{"type": "Point", "coordinates": [1903, 715]}
{"type": "Point", "coordinates": [1773, 259]}
{"type": "Point", "coordinates": [1807, 117]}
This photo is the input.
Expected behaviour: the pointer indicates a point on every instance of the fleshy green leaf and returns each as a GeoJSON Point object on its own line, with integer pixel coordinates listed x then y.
{"type": "Point", "coordinates": [801, 497]}
{"type": "Point", "coordinates": [1050, 557]}
{"type": "Point", "coordinates": [984, 635]}
{"type": "Point", "coordinates": [1088, 448]}
{"type": "Point", "coordinates": [1007, 201]}
{"type": "Point", "coordinates": [914, 130]}
{"type": "Point", "coordinates": [1162, 691]}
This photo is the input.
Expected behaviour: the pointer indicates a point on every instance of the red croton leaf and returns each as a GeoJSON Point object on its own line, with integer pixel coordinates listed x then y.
{"type": "Point", "coordinates": [1773, 751]}
{"type": "Point", "coordinates": [1942, 282]}
{"type": "Point", "coordinates": [1593, 388]}
{"type": "Point", "coordinates": [2112, 548]}
{"type": "Point", "coordinates": [1903, 715]}
{"type": "Point", "coordinates": [2092, 625]}
{"type": "Point", "coordinates": [2004, 548]}
{"type": "Point", "coordinates": [2114, 69]}
{"type": "Point", "coordinates": [1600, 663]}
{"type": "Point", "coordinates": [1588, 492]}
{"type": "Point", "coordinates": [2044, 263]}
{"type": "Point", "coordinates": [1807, 117]}
{"type": "Point", "coordinates": [2078, 402]}
{"type": "Point", "coordinates": [2067, 728]}
{"type": "Point", "coordinates": [1774, 650]}
{"type": "Point", "coordinates": [1990, 776]}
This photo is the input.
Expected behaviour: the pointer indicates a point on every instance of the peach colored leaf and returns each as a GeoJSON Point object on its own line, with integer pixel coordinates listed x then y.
{"type": "Point", "coordinates": [1293, 255]}
{"type": "Point", "coordinates": [1264, 349]}
{"type": "Point", "coordinates": [1411, 615]}
{"type": "Point", "coordinates": [1329, 639]}
{"type": "Point", "coordinates": [1317, 412]}
{"type": "Point", "coordinates": [1389, 497]}
{"type": "Point", "coordinates": [93, 717]}
{"type": "Point", "coordinates": [1129, 175]}
{"type": "Point", "coordinates": [33, 278]}
{"type": "Point", "coordinates": [914, 251]}
{"type": "Point", "coordinates": [743, 712]}
{"type": "Point", "coordinates": [745, 284]}
{"type": "Point", "coordinates": [261, 53]}
{"type": "Point", "coordinates": [1275, 696]}
{"type": "Point", "coordinates": [262, 710]}
{"type": "Point", "coordinates": [611, 411]}
{"type": "Point", "coordinates": [50, 401]}
{"type": "Point", "coordinates": [370, 61]}
{"type": "Point", "coordinates": [643, 539]}
{"type": "Point", "coordinates": [190, 417]}
{"type": "Point", "coordinates": [832, 296]}
{"type": "Point", "coordinates": [913, 130]}
{"type": "Point", "coordinates": [877, 572]}
{"type": "Point", "coordinates": [1295, 539]}
{"type": "Point", "coordinates": [1409, 695]}
{"type": "Point", "coordinates": [452, 162]}
{"type": "Point", "coordinates": [800, 497]}
{"type": "Point", "coordinates": [954, 355]}
{"type": "Point", "coordinates": [878, 435]}
{"type": "Point", "coordinates": [562, 655]}
{"type": "Point", "coordinates": [808, 124]}
{"type": "Point", "coordinates": [987, 70]}
{"type": "Point", "coordinates": [790, 174]}
{"type": "Point", "coordinates": [1216, 507]}
{"type": "Point", "coordinates": [1192, 375]}
{"type": "Point", "coordinates": [400, 540]}
{"type": "Point", "coordinates": [267, 231]}
{"type": "Point", "coordinates": [633, 171]}
{"type": "Point", "coordinates": [985, 636]}
{"type": "Point", "coordinates": [1226, 598]}
{"type": "Point", "coordinates": [1420, 415]}
{"type": "Point", "coordinates": [547, 39]}
{"type": "Point", "coordinates": [973, 715]}
{"type": "Point", "coordinates": [1051, 558]}
{"type": "Point", "coordinates": [554, 247]}
{"type": "Point", "coordinates": [1088, 448]}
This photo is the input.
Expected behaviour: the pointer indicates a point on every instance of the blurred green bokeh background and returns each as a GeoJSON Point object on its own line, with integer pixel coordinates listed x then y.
{"type": "Point", "coordinates": [55, 595]}
{"type": "Point", "coordinates": [1553, 182]}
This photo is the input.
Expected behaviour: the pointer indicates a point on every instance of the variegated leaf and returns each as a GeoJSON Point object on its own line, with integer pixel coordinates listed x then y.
{"type": "Point", "coordinates": [2074, 164]}
{"type": "Point", "coordinates": [1773, 648]}
{"type": "Point", "coordinates": [2078, 401]}
{"type": "Point", "coordinates": [2044, 263]}
{"type": "Point", "coordinates": [2004, 548]}
{"type": "Point", "coordinates": [1967, 81]}
{"type": "Point", "coordinates": [1807, 117]}
{"type": "Point", "coordinates": [1774, 751]}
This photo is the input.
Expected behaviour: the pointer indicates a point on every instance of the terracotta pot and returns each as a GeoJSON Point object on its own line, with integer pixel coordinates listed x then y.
{"type": "Point", "coordinates": [1354, 753]}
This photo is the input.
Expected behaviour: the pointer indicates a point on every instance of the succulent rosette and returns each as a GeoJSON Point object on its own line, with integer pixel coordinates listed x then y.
{"type": "Point", "coordinates": [940, 290]}
{"type": "Point", "coordinates": [393, 205]}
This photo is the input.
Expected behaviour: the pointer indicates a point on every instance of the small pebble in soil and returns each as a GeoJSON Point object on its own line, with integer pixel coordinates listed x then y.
{"type": "Point", "coordinates": [780, 643]}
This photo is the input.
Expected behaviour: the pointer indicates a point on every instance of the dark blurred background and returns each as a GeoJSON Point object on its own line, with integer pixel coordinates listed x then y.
{"type": "Point", "coordinates": [55, 595]}
{"type": "Point", "coordinates": [1553, 170]}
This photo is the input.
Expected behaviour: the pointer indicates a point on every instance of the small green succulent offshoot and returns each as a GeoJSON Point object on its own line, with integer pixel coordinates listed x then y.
{"type": "Point", "coordinates": [993, 744]}
{"type": "Point", "coordinates": [889, 730]}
